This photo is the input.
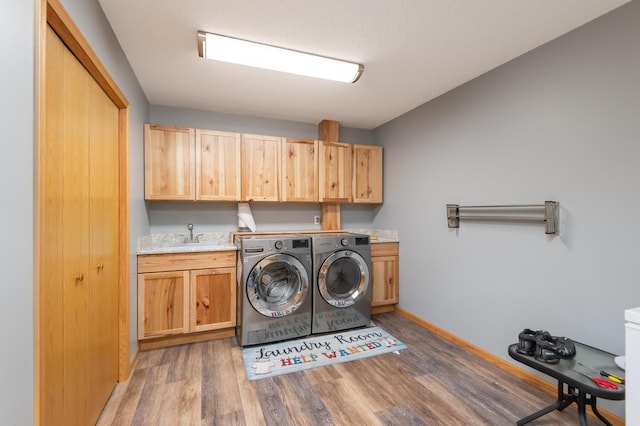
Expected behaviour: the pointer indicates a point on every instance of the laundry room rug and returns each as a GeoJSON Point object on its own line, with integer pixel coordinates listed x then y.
{"type": "Point", "coordinates": [317, 351]}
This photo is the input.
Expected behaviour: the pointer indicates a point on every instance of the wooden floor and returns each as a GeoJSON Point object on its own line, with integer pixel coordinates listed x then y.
{"type": "Point", "coordinates": [433, 382]}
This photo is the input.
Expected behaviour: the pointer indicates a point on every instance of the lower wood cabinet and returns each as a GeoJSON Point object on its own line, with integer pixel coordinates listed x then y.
{"type": "Point", "coordinates": [384, 277]}
{"type": "Point", "coordinates": [184, 293]}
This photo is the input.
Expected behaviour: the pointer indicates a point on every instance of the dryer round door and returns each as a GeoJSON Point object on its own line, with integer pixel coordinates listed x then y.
{"type": "Point", "coordinates": [278, 285]}
{"type": "Point", "coordinates": [343, 278]}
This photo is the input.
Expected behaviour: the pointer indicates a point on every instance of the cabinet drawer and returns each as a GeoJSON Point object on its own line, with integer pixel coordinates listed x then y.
{"type": "Point", "coordinates": [384, 249]}
{"type": "Point", "coordinates": [181, 261]}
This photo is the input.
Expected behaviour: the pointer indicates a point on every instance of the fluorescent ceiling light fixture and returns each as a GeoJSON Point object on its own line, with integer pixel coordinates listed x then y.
{"type": "Point", "coordinates": [236, 51]}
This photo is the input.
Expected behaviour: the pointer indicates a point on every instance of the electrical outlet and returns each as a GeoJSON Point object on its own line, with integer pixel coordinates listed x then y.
{"type": "Point", "coordinates": [316, 220]}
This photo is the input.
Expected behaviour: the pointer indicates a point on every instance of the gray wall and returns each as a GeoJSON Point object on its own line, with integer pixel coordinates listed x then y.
{"type": "Point", "coordinates": [17, 180]}
{"type": "Point", "coordinates": [559, 123]}
{"type": "Point", "coordinates": [17, 38]}
{"type": "Point", "coordinates": [223, 217]}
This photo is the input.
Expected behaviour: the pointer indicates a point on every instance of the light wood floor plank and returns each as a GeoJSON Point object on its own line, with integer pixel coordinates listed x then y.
{"type": "Point", "coordinates": [124, 412]}
{"type": "Point", "coordinates": [304, 407]}
{"type": "Point", "coordinates": [347, 403]}
{"type": "Point", "coordinates": [180, 403]}
{"type": "Point", "coordinates": [273, 408]}
{"type": "Point", "coordinates": [249, 403]}
{"type": "Point", "coordinates": [401, 414]}
{"type": "Point", "coordinates": [151, 396]}
{"type": "Point", "coordinates": [220, 393]}
{"type": "Point", "coordinates": [320, 375]}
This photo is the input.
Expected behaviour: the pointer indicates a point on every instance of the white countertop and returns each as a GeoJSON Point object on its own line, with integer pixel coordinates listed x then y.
{"type": "Point", "coordinates": [174, 243]}
{"type": "Point", "coordinates": [188, 248]}
{"type": "Point", "coordinates": [220, 241]}
{"type": "Point", "coordinates": [378, 235]}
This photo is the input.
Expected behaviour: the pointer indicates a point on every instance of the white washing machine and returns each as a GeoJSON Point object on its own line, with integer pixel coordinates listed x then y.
{"type": "Point", "coordinates": [341, 282]}
{"type": "Point", "coordinates": [274, 288]}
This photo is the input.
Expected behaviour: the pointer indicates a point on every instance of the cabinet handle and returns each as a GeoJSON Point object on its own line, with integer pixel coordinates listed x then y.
{"type": "Point", "coordinates": [80, 277]}
{"type": "Point", "coordinates": [100, 266]}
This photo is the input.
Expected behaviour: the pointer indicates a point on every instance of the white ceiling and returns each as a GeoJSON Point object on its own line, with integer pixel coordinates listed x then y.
{"type": "Point", "coordinates": [412, 50]}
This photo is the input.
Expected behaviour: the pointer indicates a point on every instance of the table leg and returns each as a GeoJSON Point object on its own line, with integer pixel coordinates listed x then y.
{"type": "Point", "coordinates": [561, 403]}
{"type": "Point", "coordinates": [592, 401]}
{"type": "Point", "coordinates": [568, 398]}
{"type": "Point", "coordinates": [582, 402]}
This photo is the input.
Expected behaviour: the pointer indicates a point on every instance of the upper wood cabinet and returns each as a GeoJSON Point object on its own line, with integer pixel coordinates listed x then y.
{"type": "Point", "coordinates": [217, 173]}
{"type": "Point", "coordinates": [299, 170]}
{"type": "Point", "coordinates": [191, 164]}
{"type": "Point", "coordinates": [195, 164]}
{"type": "Point", "coordinates": [169, 156]}
{"type": "Point", "coordinates": [367, 174]}
{"type": "Point", "coordinates": [335, 172]}
{"type": "Point", "coordinates": [260, 168]}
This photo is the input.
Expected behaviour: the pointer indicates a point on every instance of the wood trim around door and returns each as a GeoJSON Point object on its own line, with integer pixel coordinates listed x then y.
{"type": "Point", "coordinates": [51, 12]}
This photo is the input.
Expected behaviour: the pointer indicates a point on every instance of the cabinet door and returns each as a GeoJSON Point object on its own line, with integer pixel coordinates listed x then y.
{"type": "Point", "coordinates": [217, 165]}
{"type": "Point", "coordinates": [260, 168]}
{"type": "Point", "coordinates": [335, 172]}
{"type": "Point", "coordinates": [213, 299]}
{"type": "Point", "coordinates": [384, 274]}
{"type": "Point", "coordinates": [162, 309]}
{"type": "Point", "coordinates": [385, 280]}
{"type": "Point", "coordinates": [299, 170]}
{"type": "Point", "coordinates": [169, 163]}
{"type": "Point", "coordinates": [367, 174]}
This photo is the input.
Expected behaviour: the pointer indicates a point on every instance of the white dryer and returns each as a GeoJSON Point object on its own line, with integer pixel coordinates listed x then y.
{"type": "Point", "coordinates": [274, 294]}
{"type": "Point", "coordinates": [341, 281]}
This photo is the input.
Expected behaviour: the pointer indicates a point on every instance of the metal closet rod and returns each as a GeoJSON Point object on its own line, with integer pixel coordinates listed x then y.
{"type": "Point", "coordinates": [549, 208]}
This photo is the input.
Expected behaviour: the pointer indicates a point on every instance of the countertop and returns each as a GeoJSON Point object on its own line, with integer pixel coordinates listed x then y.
{"type": "Point", "coordinates": [221, 241]}
{"type": "Point", "coordinates": [174, 243]}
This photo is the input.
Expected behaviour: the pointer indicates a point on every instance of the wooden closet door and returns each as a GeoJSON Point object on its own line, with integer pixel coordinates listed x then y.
{"type": "Point", "coordinates": [103, 254]}
{"type": "Point", "coordinates": [79, 248]}
{"type": "Point", "coordinates": [75, 240]}
{"type": "Point", "coordinates": [51, 247]}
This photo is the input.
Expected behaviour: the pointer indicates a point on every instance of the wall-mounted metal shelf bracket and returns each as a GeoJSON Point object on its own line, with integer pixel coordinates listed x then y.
{"type": "Point", "coordinates": [507, 213]}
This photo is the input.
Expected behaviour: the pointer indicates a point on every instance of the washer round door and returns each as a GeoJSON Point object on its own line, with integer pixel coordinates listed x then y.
{"type": "Point", "coordinates": [278, 285]}
{"type": "Point", "coordinates": [343, 278]}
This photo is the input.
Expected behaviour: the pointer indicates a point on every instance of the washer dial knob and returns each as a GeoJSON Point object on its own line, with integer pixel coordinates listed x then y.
{"type": "Point", "coordinates": [278, 245]}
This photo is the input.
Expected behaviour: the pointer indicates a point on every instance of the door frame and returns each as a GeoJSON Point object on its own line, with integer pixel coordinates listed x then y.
{"type": "Point", "coordinates": [51, 12]}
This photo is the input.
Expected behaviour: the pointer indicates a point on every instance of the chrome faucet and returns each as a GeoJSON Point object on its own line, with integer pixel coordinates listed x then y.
{"type": "Point", "coordinates": [190, 228]}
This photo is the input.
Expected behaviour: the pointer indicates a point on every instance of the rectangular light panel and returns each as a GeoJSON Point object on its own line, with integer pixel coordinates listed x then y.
{"type": "Point", "coordinates": [236, 51]}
